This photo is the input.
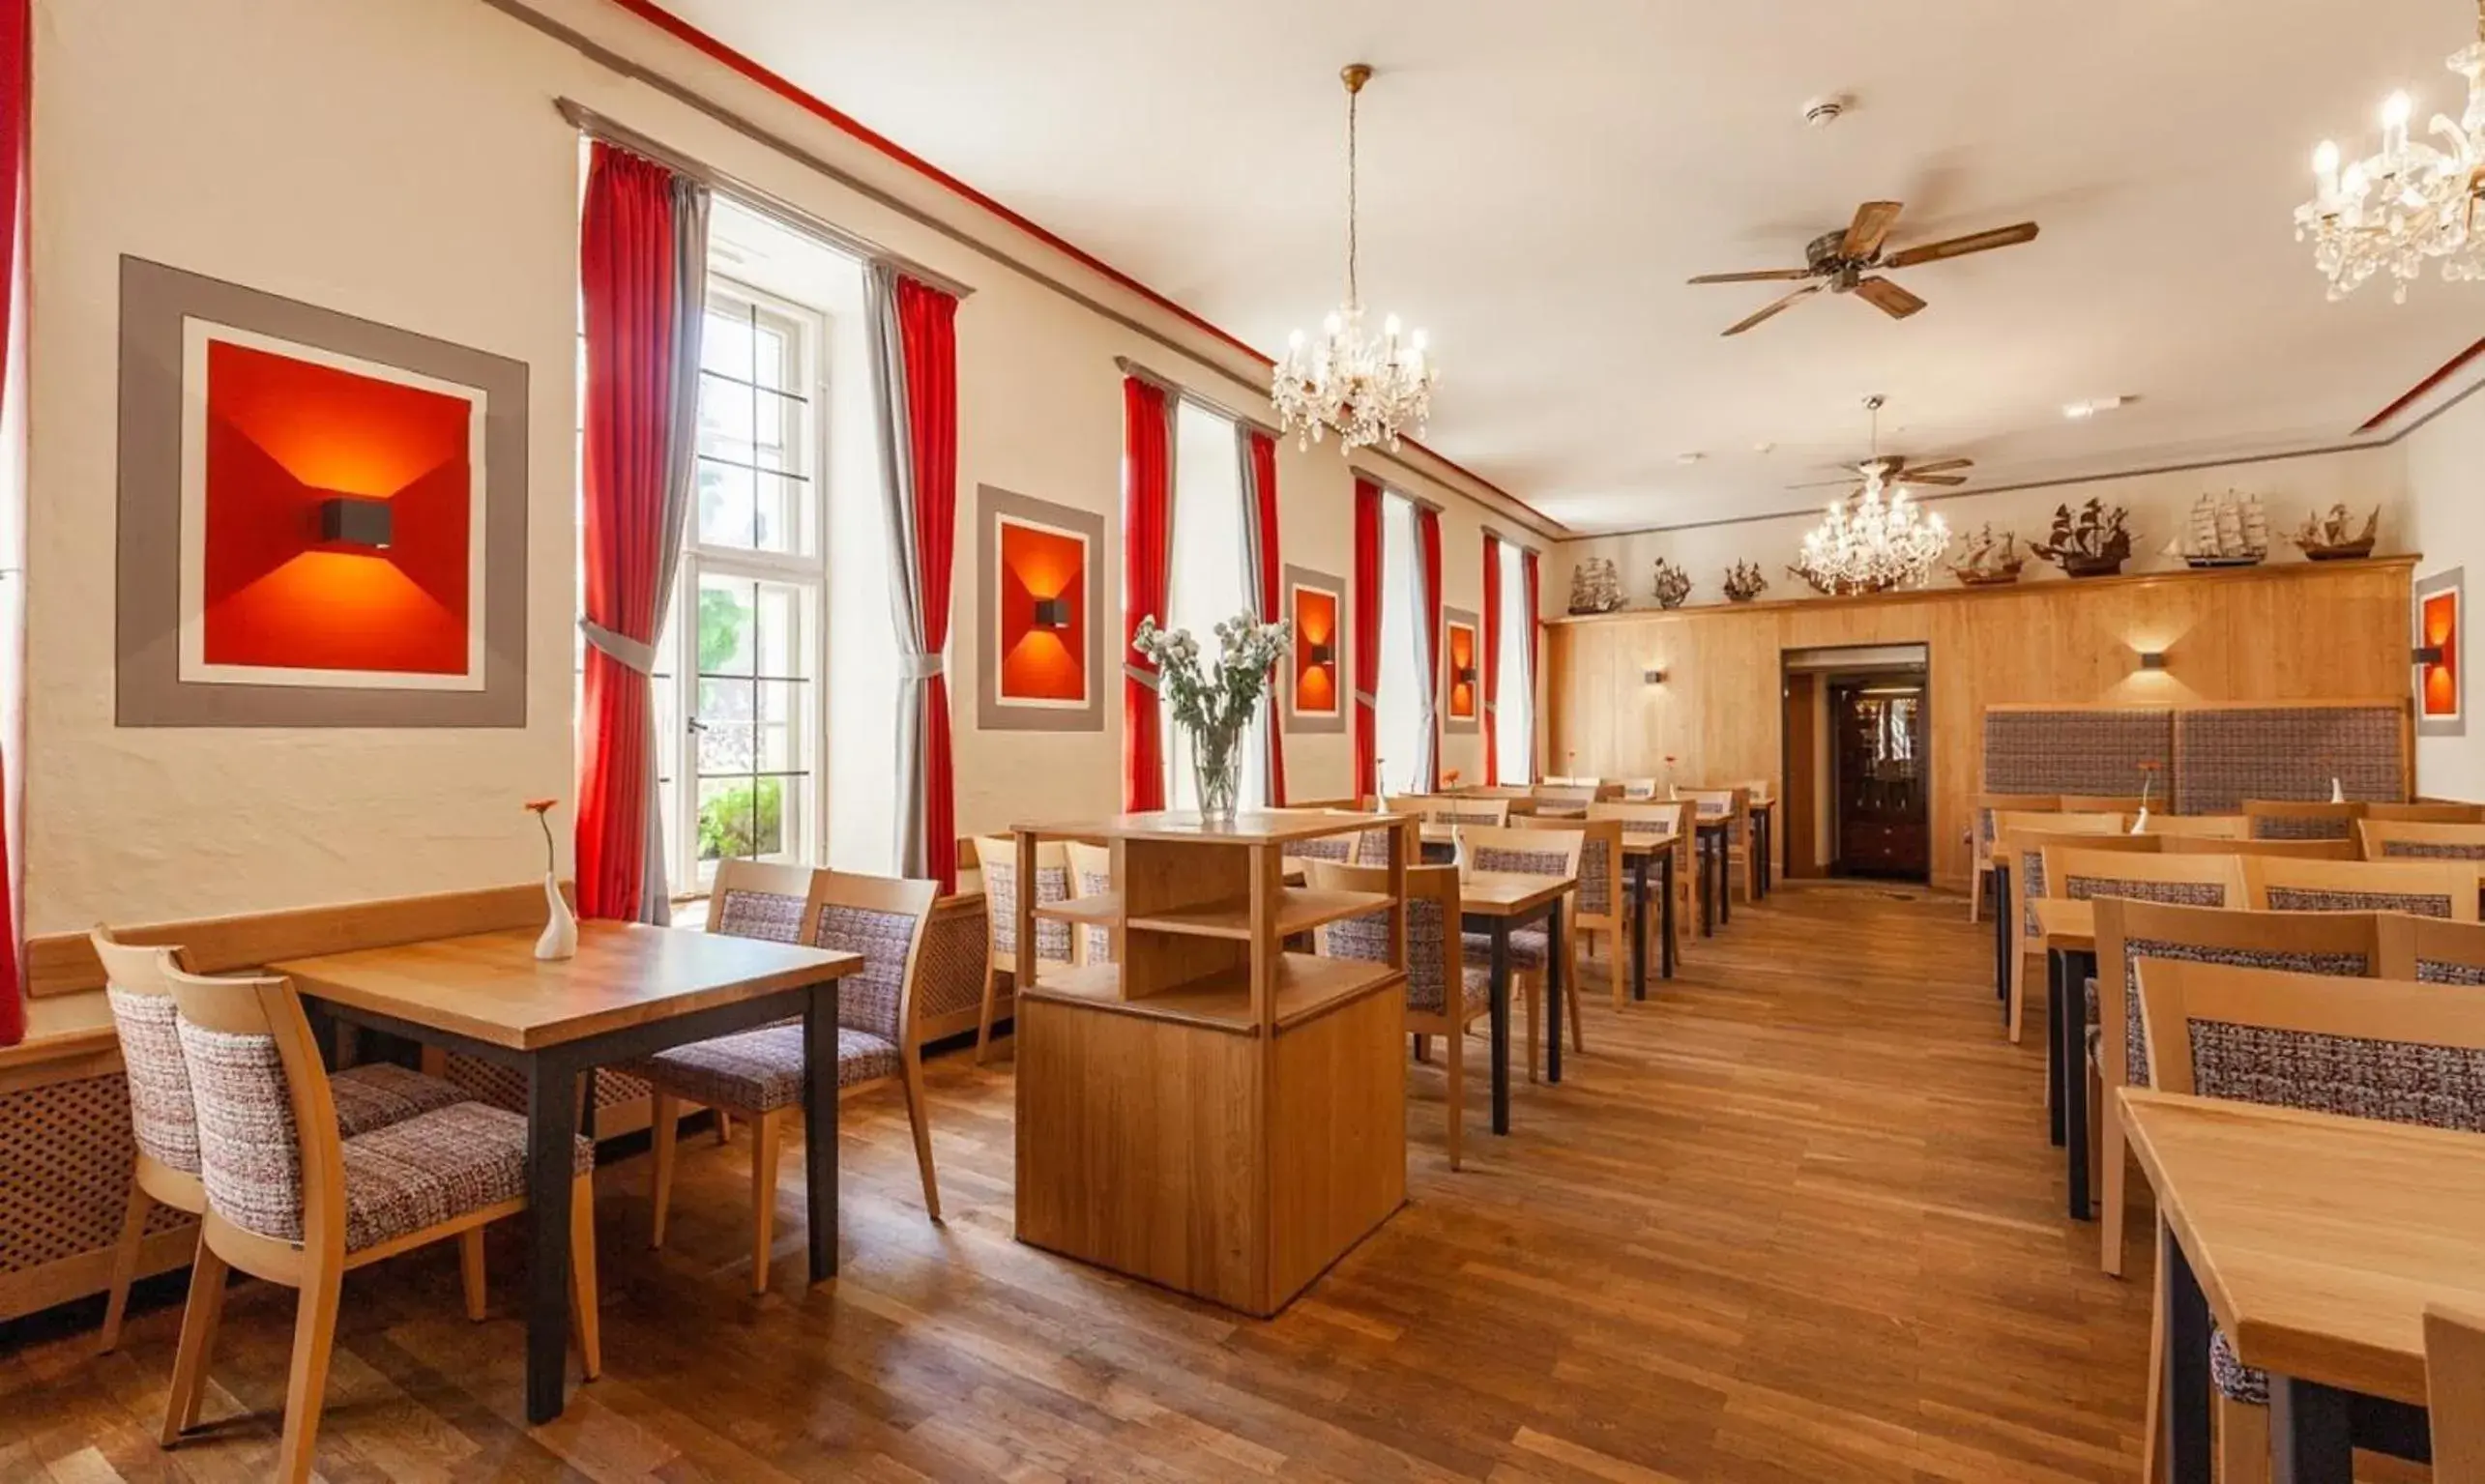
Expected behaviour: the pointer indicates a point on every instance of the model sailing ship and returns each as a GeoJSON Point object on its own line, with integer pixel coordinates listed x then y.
{"type": "Point", "coordinates": [1990, 560]}
{"type": "Point", "coordinates": [2232, 530]}
{"type": "Point", "coordinates": [1596, 586]}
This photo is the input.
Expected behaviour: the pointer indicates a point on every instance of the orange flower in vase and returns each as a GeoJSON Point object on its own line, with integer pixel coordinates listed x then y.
{"type": "Point", "coordinates": [1450, 779]}
{"type": "Point", "coordinates": [560, 938]}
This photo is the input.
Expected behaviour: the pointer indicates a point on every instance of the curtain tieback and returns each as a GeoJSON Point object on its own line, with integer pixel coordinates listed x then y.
{"type": "Point", "coordinates": [1366, 698]}
{"type": "Point", "coordinates": [922, 667]}
{"type": "Point", "coordinates": [1495, 707]}
{"type": "Point", "coordinates": [620, 648]}
{"type": "Point", "coordinates": [1147, 678]}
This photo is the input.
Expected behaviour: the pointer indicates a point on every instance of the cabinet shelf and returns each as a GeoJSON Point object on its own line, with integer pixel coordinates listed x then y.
{"type": "Point", "coordinates": [1300, 910]}
{"type": "Point", "coordinates": [1306, 987]}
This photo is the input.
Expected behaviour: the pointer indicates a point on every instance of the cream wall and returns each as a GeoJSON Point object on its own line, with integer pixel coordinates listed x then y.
{"type": "Point", "coordinates": [2447, 507]}
{"type": "Point", "coordinates": [401, 159]}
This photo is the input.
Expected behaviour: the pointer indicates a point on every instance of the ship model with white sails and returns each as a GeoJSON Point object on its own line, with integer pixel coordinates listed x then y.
{"type": "Point", "coordinates": [2229, 529]}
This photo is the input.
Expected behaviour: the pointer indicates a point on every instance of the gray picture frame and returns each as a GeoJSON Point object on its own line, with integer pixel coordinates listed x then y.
{"type": "Point", "coordinates": [993, 713]}
{"type": "Point", "coordinates": [2455, 582]}
{"type": "Point", "coordinates": [1300, 723]}
{"type": "Point", "coordinates": [1461, 726]}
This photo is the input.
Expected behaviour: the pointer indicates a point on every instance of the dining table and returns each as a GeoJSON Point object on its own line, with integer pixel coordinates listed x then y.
{"type": "Point", "coordinates": [2066, 932]}
{"type": "Point", "coordinates": [2314, 1244]}
{"type": "Point", "coordinates": [1641, 849]}
{"type": "Point", "coordinates": [1497, 903]}
{"type": "Point", "coordinates": [630, 991]}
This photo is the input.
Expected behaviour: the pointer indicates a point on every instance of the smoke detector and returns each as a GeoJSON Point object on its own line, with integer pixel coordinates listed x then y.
{"type": "Point", "coordinates": [1822, 112]}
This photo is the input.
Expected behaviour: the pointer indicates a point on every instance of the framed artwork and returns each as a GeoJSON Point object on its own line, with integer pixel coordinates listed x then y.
{"type": "Point", "coordinates": [1040, 667]}
{"type": "Point", "coordinates": [1462, 673]}
{"type": "Point", "coordinates": [322, 520]}
{"type": "Point", "coordinates": [2440, 679]}
{"type": "Point", "coordinates": [1315, 701]}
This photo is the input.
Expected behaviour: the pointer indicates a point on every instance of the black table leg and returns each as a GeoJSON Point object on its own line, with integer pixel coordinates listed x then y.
{"type": "Point", "coordinates": [1708, 880]}
{"type": "Point", "coordinates": [2185, 1424]}
{"type": "Point", "coordinates": [1725, 878]}
{"type": "Point", "coordinates": [2056, 1057]}
{"type": "Point", "coordinates": [1557, 984]}
{"type": "Point", "coordinates": [2077, 969]}
{"type": "Point", "coordinates": [2003, 918]}
{"type": "Point", "coordinates": [551, 1126]}
{"type": "Point", "coordinates": [1500, 1025]}
{"type": "Point", "coordinates": [820, 1126]}
{"type": "Point", "coordinates": [1761, 819]}
{"type": "Point", "coordinates": [1639, 928]}
{"type": "Point", "coordinates": [1667, 945]}
{"type": "Point", "coordinates": [2312, 1438]}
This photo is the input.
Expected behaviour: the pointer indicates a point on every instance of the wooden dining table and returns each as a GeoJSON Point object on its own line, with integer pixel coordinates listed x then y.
{"type": "Point", "coordinates": [2315, 1242]}
{"type": "Point", "coordinates": [632, 990]}
{"type": "Point", "coordinates": [1641, 849]}
{"type": "Point", "coordinates": [1496, 903]}
{"type": "Point", "coordinates": [2067, 933]}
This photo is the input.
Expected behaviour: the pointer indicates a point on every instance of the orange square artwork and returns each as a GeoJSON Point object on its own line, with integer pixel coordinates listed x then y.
{"type": "Point", "coordinates": [1464, 681]}
{"type": "Point", "coordinates": [1041, 614]}
{"type": "Point", "coordinates": [1316, 655]}
{"type": "Point", "coordinates": [2437, 624]}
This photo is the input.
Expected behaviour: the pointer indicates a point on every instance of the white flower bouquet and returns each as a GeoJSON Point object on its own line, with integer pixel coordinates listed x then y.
{"type": "Point", "coordinates": [1214, 708]}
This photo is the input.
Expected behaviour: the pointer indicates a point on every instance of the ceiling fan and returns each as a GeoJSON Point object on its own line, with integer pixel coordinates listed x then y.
{"type": "Point", "coordinates": [1895, 468]}
{"type": "Point", "coordinates": [1850, 262]}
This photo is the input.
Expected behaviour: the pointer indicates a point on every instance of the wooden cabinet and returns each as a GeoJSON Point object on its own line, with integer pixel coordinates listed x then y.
{"type": "Point", "coordinates": [1210, 1111]}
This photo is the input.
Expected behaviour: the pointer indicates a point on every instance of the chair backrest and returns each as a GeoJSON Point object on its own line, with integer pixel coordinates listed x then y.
{"type": "Point", "coordinates": [1638, 788]}
{"type": "Point", "coordinates": [269, 1156]}
{"type": "Point", "coordinates": [2389, 841]}
{"type": "Point", "coordinates": [1543, 851]}
{"type": "Point", "coordinates": [2275, 850]}
{"type": "Point", "coordinates": [2077, 871]}
{"type": "Point", "coordinates": [2432, 951]}
{"type": "Point", "coordinates": [2455, 1391]}
{"type": "Point", "coordinates": [998, 857]}
{"type": "Point", "coordinates": [1600, 868]}
{"type": "Point", "coordinates": [755, 899]}
{"type": "Point", "coordinates": [2428, 889]}
{"type": "Point", "coordinates": [163, 1121]}
{"type": "Point", "coordinates": [1717, 802]}
{"type": "Point", "coordinates": [2362, 1048]}
{"type": "Point", "coordinates": [2445, 812]}
{"type": "Point", "coordinates": [2201, 826]}
{"type": "Point", "coordinates": [2023, 848]}
{"type": "Point", "coordinates": [1989, 808]}
{"type": "Point", "coordinates": [882, 918]}
{"type": "Point", "coordinates": [1467, 811]}
{"type": "Point", "coordinates": [1568, 790]}
{"type": "Point", "coordinates": [1092, 875]}
{"type": "Point", "coordinates": [1434, 946]}
{"type": "Point", "coordinates": [2296, 819]}
{"type": "Point", "coordinates": [2345, 944]}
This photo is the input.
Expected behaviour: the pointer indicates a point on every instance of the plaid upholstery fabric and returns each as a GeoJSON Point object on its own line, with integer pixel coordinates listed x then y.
{"type": "Point", "coordinates": [2300, 827]}
{"type": "Point", "coordinates": [761, 1071]}
{"type": "Point", "coordinates": [869, 999]}
{"type": "Point", "coordinates": [161, 1115]}
{"type": "Point", "coordinates": [2135, 1040]}
{"type": "Point", "coordinates": [2030, 885]}
{"type": "Point", "coordinates": [2235, 1381]}
{"type": "Point", "coordinates": [1366, 939]}
{"type": "Point", "coordinates": [2399, 1082]}
{"type": "Point", "coordinates": [1462, 817]}
{"type": "Point", "coordinates": [378, 1093]}
{"type": "Point", "coordinates": [1595, 878]}
{"type": "Point", "coordinates": [769, 914]}
{"type": "Point", "coordinates": [479, 1081]}
{"type": "Point", "coordinates": [2179, 893]}
{"type": "Point", "coordinates": [1372, 848]}
{"type": "Point", "coordinates": [949, 968]}
{"type": "Point", "coordinates": [1001, 909]}
{"type": "Point", "coordinates": [2434, 970]}
{"type": "Point", "coordinates": [2303, 899]}
{"type": "Point", "coordinates": [1339, 848]}
{"type": "Point", "coordinates": [1520, 863]}
{"type": "Point", "coordinates": [424, 1169]}
{"type": "Point", "coordinates": [1531, 948]}
{"type": "Point", "coordinates": [2224, 756]}
{"type": "Point", "coordinates": [249, 1149]}
{"type": "Point", "coordinates": [2428, 849]}
{"type": "Point", "coordinates": [2074, 751]}
{"type": "Point", "coordinates": [1097, 942]}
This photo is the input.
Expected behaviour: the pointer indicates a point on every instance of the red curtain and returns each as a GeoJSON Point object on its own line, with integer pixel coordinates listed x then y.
{"type": "Point", "coordinates": [1492, 665]}
{"type": "Point", "coordinates": [927, 324]}
{"type": "Point", "coordinates": [1147, 511]}
{"type": "Point", "coordinates": [1264, 486]}
{"type": "Point", "coordinates": [17, 66]}
{"type": "Point", "coordinates": [1367, 638]}
{"type": "Point", "coordinates": [1427, 523]}
{"type": "Point", "coordinates": [1535, 652]}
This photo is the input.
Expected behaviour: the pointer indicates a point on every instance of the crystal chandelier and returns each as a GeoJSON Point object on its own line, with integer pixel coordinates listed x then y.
{"type": "Point", "coordinates": [1365, 389]}
{"type": "Point", "coordinates": [2409, 204]}
{"type": "Point", "coordinates": [1875, 539]}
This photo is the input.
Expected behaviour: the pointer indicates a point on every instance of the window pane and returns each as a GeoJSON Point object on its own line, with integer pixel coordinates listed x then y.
{"type": "Point", "coordinates": [782, 503]}
{"type": "Point", "coordinates": [1208, 582]}
{"type": "Point", "coordinates": [728, 710]}
{"type": "Point", "coordinates": [779, 632]}
{"type": "Point", "coordinates": [726, 420]}
{"type": "Point", "coordinates": [749, 818]}
{"type": "Point", "coordinates": [728, 608]}
{"type": "Point", "coordinates": [725, 342]}
{"type": "Point", "coordinates": [777, 431]}
{"type": "Point", "coordinates": [727, 502]}
{"type": "Point", "coordinates": [1404, 681]}
{"type": "Point", "coordinates": [776, 352]}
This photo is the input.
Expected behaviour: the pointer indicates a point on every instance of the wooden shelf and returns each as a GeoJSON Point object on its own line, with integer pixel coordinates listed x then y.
{"type": "Point", "coordinates": [1300, 910]}
{"type": "Point", "coordinates": [1098, 911]}
{"type": "Point", "coordinates": [1306, 987]}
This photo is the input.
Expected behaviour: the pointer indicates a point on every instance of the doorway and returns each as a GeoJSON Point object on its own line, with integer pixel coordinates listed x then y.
{"type": "Point", "coordinates": [1858, 767]}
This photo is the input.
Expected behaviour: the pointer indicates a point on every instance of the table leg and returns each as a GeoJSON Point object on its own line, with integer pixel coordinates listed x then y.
{"type": "Point", "coordinates": [2005, 918]}
{"type": "Point", "coordinates": [1707, 879]}
{"type": "Point", "coordinates": [2186, 1423]}
{"type": "Point", "coordinates": [1768, 849]}
{"type": "Point", "coordinates": [1500, 1025]}
{"type": "Point", "coordinates": [1667, 945]}
{"type": "Point", "coordinates": [2311, 1433]}
{"type": "Point", "coordinates": [820, 1126]}
{"type": "Point", "coordinates": [1725, 879]}
{"type": "Point", "coordinates": [1639, 928]}
{"type": "Point", "coordinates": [1557, 984]}
{"type": "Point", "coordinates": [2077, 967]}
{"type": "Point", "coordinates": [551, 1124]}
{"type": "Point", "coordinates": [2057, 1054]}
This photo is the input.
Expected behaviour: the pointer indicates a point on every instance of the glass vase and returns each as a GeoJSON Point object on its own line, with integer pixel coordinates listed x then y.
{"type": "Point", "coordinates": [1216, 763]}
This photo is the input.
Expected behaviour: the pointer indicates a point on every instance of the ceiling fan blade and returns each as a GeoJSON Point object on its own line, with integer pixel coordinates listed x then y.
{"type": "Point", "coordinates": [1888, 298]}
{"type": "Point", "coordinates": [1961, 247]}
{"type": "Point", "coordinates": [1944, 479]}
{"type": "Point", "coordinates": [1873, 222]}
{"type": "Point", "coordinates": [1760, 276]}
{"type": "Point", "coordinates": [1849, 482]}
{"type": "Point", "coordinates": [1805, 291]}
{"type": "Point", "coordinates": [1940, 466]}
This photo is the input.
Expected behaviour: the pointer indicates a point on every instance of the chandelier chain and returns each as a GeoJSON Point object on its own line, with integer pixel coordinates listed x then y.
{"type": "Point", "coordinates": [1354, 96]}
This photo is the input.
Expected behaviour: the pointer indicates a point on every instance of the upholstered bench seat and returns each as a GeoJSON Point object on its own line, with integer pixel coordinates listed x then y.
{"type": "Point", "coordinates": [434, 1167]}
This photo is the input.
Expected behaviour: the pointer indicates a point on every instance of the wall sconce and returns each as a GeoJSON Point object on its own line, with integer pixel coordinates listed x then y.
{"type": "Point", "coordinates": [351, 522]}
{"type": "Point", "coordinates": [1465, 675]}
{"type": "Point", "coordinates": [2152, 659]}
{"type": "Point", "coordinates": [1324, 654]}
{"type": "Point", "coordinates": [1652, 676]}
{"type": "Point", "coordinates": [1052, 613]}
{"type": "Point", "coordinates": [2425, 654]}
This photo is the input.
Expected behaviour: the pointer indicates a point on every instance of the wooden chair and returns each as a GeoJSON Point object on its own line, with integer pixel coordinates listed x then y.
{"type": "Point", "coordinates": [1528, 853]}
{"type": "Point", "coordinates": [2438, 813]}
{"type": "Point", "coordinates": [2022, 847]}
{"type": "Point", "coordinates": [2427, 888]}
{"type": "Point", "coordinates": [1369, 848]}
{"type": "Point", "coordinates": [1674, 817]}
{"type": "Point", "coordinates": [164, 1120]}
{"type": "Point", "coordinates": [2201, 826]}
{"type": "Point", "coordinates": [2296, 819]}
{"type": "Point", "coordinates": [1989, 809]}
{"type": "Point", "coordinates": [2274, 850]}
{"type": "Point", "coordinates": [2076, 871]}
{"type": "Point", "coordinates": [2432, 950]}
{"type": "Point", "coordinates": [758, 1075]}
{"type": "Point", "coordinates": [1601, 903]}
{"type": "Point", "coordinates": [1733, 805]}
{"type": "Point", "coordinates": [2455, 1391]}
{"type": "Point", "coordinates": [1435, 962]}
{"type": "Point", "coordinates": [1091, 876]}
{"type": "Point", "coordinates": [997, 858]}
{"type": "Point", "coordinates": [291, 1200]}
{"type": "Point", "coordinates": [1443, 810]}
{"type": "Point", "coordinates": [2345, 944]}
{"type": "Point", "coordinates": [2385, 840]}
{"type": "Point", "coordinates": [1570, 791]}
{"type": "Point", "coordinates": [2312, 1042]}
{"type": "Point", "coordinates": [2104, 803]}
{"type": "Point", "coordinates": [1638, 790]}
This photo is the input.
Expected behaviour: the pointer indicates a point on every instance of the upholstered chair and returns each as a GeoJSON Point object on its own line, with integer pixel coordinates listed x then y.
{"type": "Point", "coordinates": [2022, 847]}
{"type": "Point", "coordinates": [1092, 877]}
{"type": "Point", "coordinates": [2391, 840]}
{"type": "Point", "coordinates": [1988, 811]}
{"type": "Point", "coordinates": [2426, 889]}
{"type": "Point", "coordinates": [1542, 852]}
{"type": "Point", "coordinates": [2297, 819]}
{"type": "Point", "coordinates": [1445, 992]}
{"type": "Point", "coordinates": [997, 858]}
{"type": "Point", "coordinates": [2432, 951]}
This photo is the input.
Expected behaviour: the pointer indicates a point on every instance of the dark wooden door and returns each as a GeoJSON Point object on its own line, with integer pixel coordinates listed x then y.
{"type": "Point", "coordinates": [1879, 778]}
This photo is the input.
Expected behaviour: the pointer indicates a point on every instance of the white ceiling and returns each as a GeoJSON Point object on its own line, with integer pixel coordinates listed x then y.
{"type": "Point", "coordinates": [1540, 180]}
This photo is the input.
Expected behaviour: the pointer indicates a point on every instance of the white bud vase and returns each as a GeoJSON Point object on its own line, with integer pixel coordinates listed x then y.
{"type": "Point", "coordinates": [560, 938]}
{"type": "Point", "coordinates": [2337, 794]}
{"type": "Point", "coordinates": [2140, 825]}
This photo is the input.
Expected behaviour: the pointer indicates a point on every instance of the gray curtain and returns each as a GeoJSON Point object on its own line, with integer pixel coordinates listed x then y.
{"type": "Point", "coordinates": [1427, 763]}
{"type": "Point", "coordinates": [1253, 542]}
{"type": "Point", "coordinates": [917, 664]}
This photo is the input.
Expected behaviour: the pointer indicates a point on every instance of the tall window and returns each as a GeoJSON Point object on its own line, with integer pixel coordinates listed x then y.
{"type": "Point", "coordinates": [1405, 676]}
{"type": "Point", "coordinates": [1513, 720]}
{"type": "Point", "coordinates": [1208, 579]}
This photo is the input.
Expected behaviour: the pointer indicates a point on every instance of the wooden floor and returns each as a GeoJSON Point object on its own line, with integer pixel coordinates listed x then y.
{"type": "Point", "coordinates": [1795, 1218]}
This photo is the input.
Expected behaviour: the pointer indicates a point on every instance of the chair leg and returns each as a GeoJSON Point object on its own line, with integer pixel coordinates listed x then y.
{"type": "Point", "coordinates": [1975, 893]}
{"type": "Point", "coordinates": [984, 1025]}
{"type": "Point", "coordinates": [2108, 1224]}
{"type": "Point", "coordinates": [724, 1127]}
{"type": "Point", "coordinates": [919, 1114]}
{"type": "Point", "coordinates": [470, 1270]}
{"type": "Point", "coordinates": [1454, 1057]}
{"type": "Point", "coordinates": [199, 1319]}
{"type": "Point", "coordinates": [2151, 1466]}
{"type": "Point", "coordinates": [125, 1265]}
{"type": "Point", "coordinates": [1571, 1006]}
{"type": "Point", "coordinates": [663, 1136]}
{"type": "Point", "coordinates": [1422, 1047]}
{"type": "Point", "coordinates": [314, 1336]}
{"type": "Point", "coordinates": [2018, 990]}
{"type": "Point", "coordinates": [1535, 1019]}
{"type": "Point", "coordinates": [764, 1132]}
{"type": "Point", "coordinates": [583, 1315]}
{"type": "Point", "coordinates": [2242, 1442]}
